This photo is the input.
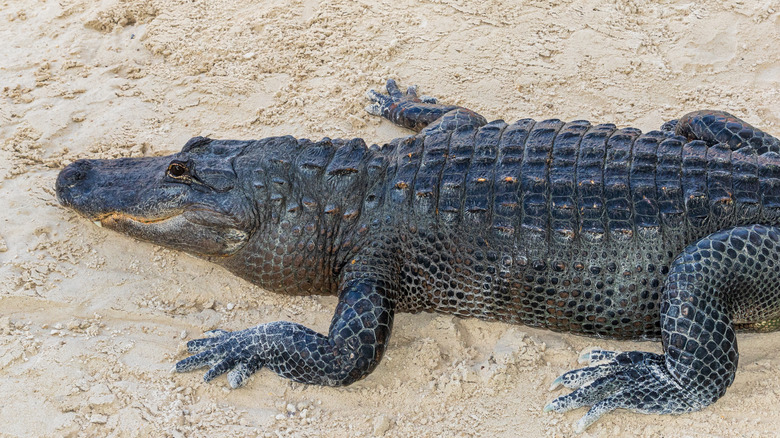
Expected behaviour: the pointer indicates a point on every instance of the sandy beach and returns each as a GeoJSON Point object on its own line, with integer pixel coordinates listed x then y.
{"type": "Point", "coordinates": [91, 321]}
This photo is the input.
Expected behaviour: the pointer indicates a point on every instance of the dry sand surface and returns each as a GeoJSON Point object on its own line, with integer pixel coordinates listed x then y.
{"type": "Point", "coordinates": [91, 321]}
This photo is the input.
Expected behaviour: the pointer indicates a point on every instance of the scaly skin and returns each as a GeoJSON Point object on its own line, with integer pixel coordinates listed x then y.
{"type": "Point", "coordinates": [590, 229]}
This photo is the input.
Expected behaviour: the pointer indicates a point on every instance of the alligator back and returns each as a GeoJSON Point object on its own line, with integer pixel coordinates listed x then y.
{"type": "Point", "coordinates": [570, 226]}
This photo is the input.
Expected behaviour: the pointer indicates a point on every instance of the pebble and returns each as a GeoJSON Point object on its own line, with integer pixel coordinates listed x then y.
{"type": "Point", "coordinates": [101, 400]}
{"type": "Point", "coordinates": [98, 419]}
{"type": "Point", "coordinates": [231, 306]}
{"type": "Point", "coordinates": [382, 424]}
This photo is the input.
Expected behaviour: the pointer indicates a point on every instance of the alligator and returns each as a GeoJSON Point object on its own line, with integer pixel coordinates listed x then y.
{"type": "Point", "coordinates": [670, 235]}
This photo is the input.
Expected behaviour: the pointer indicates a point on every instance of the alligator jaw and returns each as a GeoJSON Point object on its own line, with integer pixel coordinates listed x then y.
{"type": "Point", "coordinates": [111, 220]}
{"type": "Point", "coordinates": [202, 240]}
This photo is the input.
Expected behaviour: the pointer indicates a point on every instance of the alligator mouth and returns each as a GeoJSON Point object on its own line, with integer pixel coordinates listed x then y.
{"type": "Point", "coordinates": [177, 231]}
{"type": "Point", "coordinates": [109, 219]}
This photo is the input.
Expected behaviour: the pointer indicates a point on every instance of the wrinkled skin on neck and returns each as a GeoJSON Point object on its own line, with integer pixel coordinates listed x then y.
{"type": "Point", "coordinates": [190, 201]}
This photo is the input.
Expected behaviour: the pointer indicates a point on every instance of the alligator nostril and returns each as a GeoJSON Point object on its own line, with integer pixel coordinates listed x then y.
{"type": "Point", "coordinates": [76, 175]}
{"type": "Point", "coordinates": [75, 172]}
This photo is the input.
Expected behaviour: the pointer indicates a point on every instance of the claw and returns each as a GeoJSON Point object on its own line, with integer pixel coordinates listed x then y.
{"type": "Point", "coordinates": [588, 394]}
{"type": "Point", "coordinates": [199, 360]}
{"type": "Point", "coordinates": [238, 376]}
{"type": "Point", "coordinates": [374, 109]}
{"type": "Point", "coordinates": [374, 96]}
{"type": "Point", "coordinates": [556, 383]}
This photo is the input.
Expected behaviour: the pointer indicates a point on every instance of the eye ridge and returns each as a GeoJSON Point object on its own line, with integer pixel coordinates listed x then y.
{"type": "Point", "coordinates": [177, 170]}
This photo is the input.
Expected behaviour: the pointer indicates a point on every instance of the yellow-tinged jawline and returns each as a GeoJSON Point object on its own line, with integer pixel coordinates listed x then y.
{"type": "Point", "coordinates": [116, 216]}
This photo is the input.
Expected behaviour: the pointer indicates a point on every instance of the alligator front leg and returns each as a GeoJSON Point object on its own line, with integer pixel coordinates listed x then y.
{"type": "Point", "coordinates": [356, 341]}
{"type": "Point", "coordinates": [420, 113]}
{"type": "Point", "coordinates": [730, 277]}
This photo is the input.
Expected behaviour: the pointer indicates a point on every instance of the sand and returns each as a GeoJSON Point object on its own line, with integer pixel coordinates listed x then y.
{"type": "Point", "coordinates": [91, 321]}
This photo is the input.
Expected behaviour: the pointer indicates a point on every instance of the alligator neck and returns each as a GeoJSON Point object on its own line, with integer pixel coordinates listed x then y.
{"type": "Point", "coordinates": [309, 199]}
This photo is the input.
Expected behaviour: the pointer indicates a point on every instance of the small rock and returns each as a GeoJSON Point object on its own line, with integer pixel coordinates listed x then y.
{"type": "Point", "coordinates": [231, 306]}
{"type": "Point", "coordinates": [98, 419]}
{"type": "Point", "coordinates": [101, 400]}
{"type": "Point", "coordinates": [382, 424]}
{"type": "Point", "coordinates": [72, 325]}
{"type": "Point", "coordinates": [291, 408]}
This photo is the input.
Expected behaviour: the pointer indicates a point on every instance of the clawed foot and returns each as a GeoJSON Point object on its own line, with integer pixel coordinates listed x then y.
{"type": "Point", "coordinates": [382, 102]}
{"type": "Point", "coordinates": [235, 353]}
{"type": "Point", "coordinates": [635, 380]}
{"type": "Point", "coordinates": [413, 112]}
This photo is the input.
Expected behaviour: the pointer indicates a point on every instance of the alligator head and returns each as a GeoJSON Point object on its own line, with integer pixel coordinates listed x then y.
{"type": "Point", "coordinates": [191, 201]}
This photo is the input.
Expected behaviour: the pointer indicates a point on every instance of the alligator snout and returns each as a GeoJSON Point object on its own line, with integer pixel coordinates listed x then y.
{"type": "Point", "coordinates": [70, 180]}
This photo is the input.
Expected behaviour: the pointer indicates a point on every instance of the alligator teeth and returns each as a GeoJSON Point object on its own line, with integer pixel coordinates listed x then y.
{"type": "Point", "coordinates": [98, 223]}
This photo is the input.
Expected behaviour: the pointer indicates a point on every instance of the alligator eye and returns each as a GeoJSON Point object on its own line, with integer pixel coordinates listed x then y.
{"type": "Point", "coordinates": [177, 170]}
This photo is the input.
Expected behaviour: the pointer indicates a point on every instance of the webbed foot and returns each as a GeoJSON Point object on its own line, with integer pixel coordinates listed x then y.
{"type": "Point", "coordinates": [352, 348]}
{"type": "Point", "coordinates": [239, 354]}
{"type": "Point", "coordinates": [406, 108]}
{"type": "Point", "coordinates": [700, 301]}
{"type": "Point", "coordinates": [394, 96]}
{"type": "Point", "coordinates": [637, 381]}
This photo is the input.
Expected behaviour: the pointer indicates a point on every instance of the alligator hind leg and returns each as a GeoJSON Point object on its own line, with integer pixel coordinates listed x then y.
{"type": "Point", "coordinates": [729, 278]}
{"type": "Point", "coordinates": [419, 113]}
{"type": "Point", "coordinates": [721, 127]}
